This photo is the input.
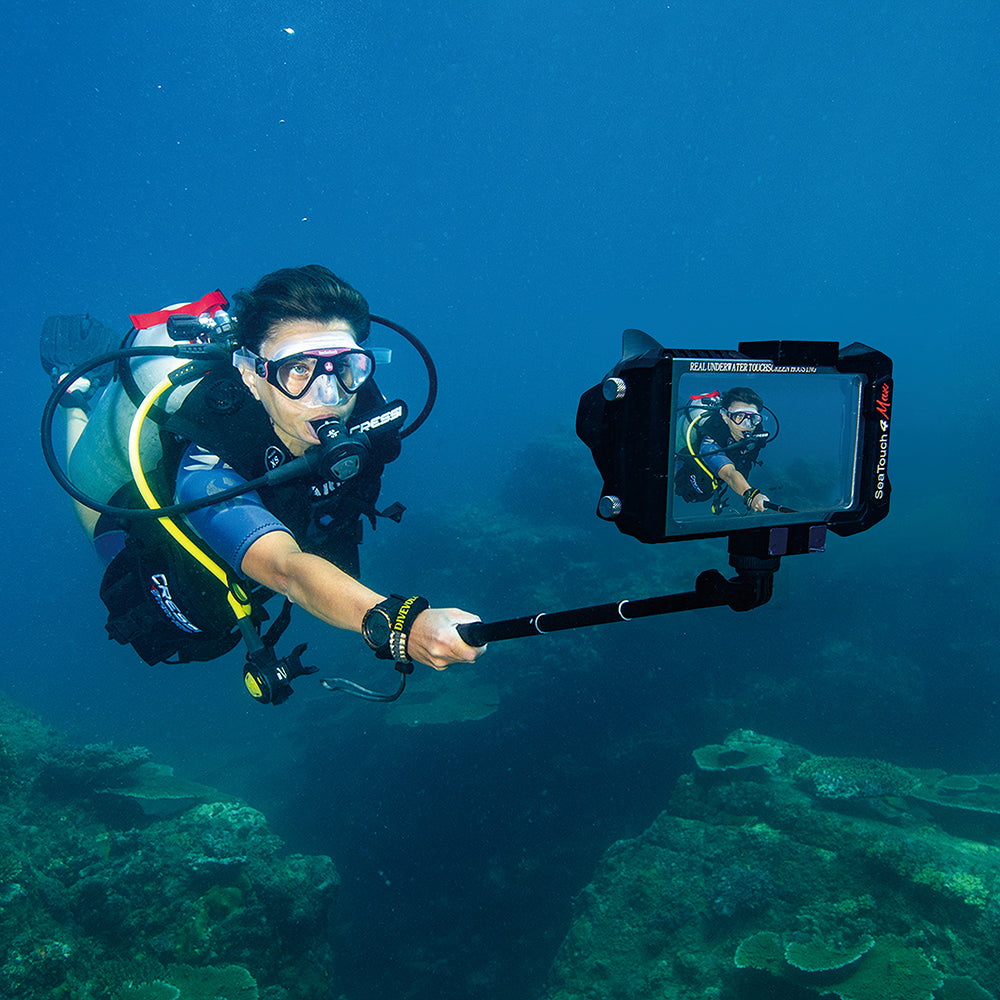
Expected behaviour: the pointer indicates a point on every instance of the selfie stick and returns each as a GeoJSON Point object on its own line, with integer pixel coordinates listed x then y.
{"type": "Point", "coordinates": [755, 557]}
{"type": "Point", "coordinates": [480, 633]}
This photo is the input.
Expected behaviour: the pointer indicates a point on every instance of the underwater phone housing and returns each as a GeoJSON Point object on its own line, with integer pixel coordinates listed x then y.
{"type": "Point", "coordinates": [647, 424]}
{"type": "Point", "coordinates": [827, 468]}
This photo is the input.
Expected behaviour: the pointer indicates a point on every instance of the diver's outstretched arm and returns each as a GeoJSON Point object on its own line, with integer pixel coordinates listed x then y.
{"type": "Point", "coordinates": [330, 594]}
{"type": "Point", "coordinates": [735, 479]}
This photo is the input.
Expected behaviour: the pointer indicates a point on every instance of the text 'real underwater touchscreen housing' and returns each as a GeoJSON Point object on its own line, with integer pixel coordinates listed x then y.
{"type": "Point", "coordinates": [818, 453]}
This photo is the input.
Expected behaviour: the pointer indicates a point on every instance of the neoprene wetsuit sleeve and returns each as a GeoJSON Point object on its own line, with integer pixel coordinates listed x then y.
{"type": "Point", "coordinates": [230, 528]}
{"type": "Point", "coordinates": [712, 457]}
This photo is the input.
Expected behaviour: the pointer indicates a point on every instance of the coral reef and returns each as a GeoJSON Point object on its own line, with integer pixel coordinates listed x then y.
{"type": "Point", "coordinates": [70, 770]}
{"type": "Point", "coordinates": [822, 955]}
{"type": "Point", "coordinates": [962, 988]}
{"type": "Point", "coordinates": [972, 792]}
{"type": "Point", "coordinates": [736, 754]}
{"type": "Point", "coordinates": [854, 778]}
{"type": "Point", "coordinates": [886, 969]}
{"type": "Point", "coordinates": [740, 889]}
{"type": "Point", "coordinates": [793, 879]}
{"type": "Point", "coordinates": [119, 881]}
{"type": "Point", "coordinates": [184, 982]}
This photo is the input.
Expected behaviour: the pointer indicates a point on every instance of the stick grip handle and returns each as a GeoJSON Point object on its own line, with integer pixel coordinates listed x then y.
{"type": "Point", "coordinates": [473, 633]}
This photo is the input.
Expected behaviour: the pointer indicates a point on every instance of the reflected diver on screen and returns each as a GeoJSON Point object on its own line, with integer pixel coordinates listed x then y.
{"type": "Point", "coordinates": [719, 442]}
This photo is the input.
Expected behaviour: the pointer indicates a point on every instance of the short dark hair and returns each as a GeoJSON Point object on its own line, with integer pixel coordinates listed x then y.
{"type": "Point", "coordinates": [309, 292]}
{"type": "Point", "coordinates": [740, 394]}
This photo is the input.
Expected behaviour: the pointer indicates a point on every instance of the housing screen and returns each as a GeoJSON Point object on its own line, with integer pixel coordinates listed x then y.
{"type": "Point", "coordinates": [792, 434]}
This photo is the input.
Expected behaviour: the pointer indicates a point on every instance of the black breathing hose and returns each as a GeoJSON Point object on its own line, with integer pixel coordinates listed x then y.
{"type": "Point", "coordinates": [207, 353]}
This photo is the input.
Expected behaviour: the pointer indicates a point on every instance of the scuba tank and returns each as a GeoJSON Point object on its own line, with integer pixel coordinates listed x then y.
{"type": "Point", "coordinates": [693, 481]}
{"type": "Point", "coordinates": [699, 408]}
{"type": "Point", "coordinates": [99, 465]}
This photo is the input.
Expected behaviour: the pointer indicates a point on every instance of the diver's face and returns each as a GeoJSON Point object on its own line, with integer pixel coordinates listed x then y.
{"type": "Point", "coordinates": [740, 426]}
{"type": "Point", "coordinates": [291, 417]}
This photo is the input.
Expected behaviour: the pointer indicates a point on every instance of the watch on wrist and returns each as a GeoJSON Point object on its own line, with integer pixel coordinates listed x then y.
{"type": "Point", "coordinates": [376, 626]}
{"type": "Point", "coordinates": [386, 627]}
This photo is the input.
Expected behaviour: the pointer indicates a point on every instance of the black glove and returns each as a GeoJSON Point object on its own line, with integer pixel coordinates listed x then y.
{"type": "Point", "coordinates": [68, 341]}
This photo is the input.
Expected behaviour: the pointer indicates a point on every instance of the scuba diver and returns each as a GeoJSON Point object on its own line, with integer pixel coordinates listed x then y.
{"type": "Point", "coordinates": [287, 427]}
{"type": "Point", "coordinates": [718, 445]}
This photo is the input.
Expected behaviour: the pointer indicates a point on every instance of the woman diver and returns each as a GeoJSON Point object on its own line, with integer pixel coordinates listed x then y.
{"type": "Point", "coordinates": [299, 365]}
{"type": "Point", "coordinates": [726, 450]}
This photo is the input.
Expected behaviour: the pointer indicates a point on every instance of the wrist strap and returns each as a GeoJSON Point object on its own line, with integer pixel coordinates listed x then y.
{"type": "Point", "coordinates": [402, 613]}
{"type": "Point", "coordinates": [749, 495]}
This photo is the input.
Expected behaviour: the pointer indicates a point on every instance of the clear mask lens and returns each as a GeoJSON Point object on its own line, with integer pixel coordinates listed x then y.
{"type": "Point", "coordinates": [328, 376]}
{"type": "Point", "coordinates": [325, 391]}
{"type": "Point", "coordinates": [747, 417]}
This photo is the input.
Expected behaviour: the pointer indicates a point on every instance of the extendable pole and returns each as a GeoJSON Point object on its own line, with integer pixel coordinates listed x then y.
{"type": "Point", "coordinates": [712, 590]}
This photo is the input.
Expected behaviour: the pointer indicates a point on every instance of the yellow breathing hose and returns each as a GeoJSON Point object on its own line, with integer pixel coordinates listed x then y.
{"type": "Point", "coordinates": [240, 604]}
{"type": "Point", "coordinates": [708, 472]}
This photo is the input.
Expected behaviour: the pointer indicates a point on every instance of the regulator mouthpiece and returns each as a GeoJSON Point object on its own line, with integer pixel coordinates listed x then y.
{"type": "Point", "coordinates": [343, 453]}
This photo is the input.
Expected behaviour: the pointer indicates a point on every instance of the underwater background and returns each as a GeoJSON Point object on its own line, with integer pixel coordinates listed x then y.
{"type": "Point", "coordinates": [517, 184]}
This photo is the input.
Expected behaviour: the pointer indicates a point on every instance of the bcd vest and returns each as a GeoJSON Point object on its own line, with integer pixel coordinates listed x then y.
{"type": "Point", "coordinates": [160, 599]}
{"type": "Point", "coordinates": [691, 482]}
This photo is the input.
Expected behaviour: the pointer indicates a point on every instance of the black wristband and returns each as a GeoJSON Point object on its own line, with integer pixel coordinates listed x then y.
{"type": "Point", "coordinates": [386, 627]}
{"type": "Point", "coordinates": [401, 625]}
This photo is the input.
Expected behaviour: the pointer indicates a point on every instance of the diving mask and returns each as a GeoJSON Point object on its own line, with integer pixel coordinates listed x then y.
{"type": "Point", "coordinates": [739, 417]}
{"type": "Point", "coordinates": [318, 371]}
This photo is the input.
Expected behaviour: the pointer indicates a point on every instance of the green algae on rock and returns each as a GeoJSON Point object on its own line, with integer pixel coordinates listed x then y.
{"type": "Point", "coordinates": [195, 898]}
{"type": "Point", "coordinates": [865, 904]}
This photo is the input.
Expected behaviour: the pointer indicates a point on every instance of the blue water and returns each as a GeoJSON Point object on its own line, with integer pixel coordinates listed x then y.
{"type": "Point", "coordinates": [517, 183]}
